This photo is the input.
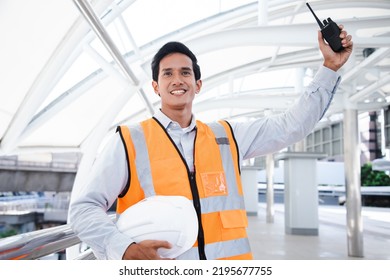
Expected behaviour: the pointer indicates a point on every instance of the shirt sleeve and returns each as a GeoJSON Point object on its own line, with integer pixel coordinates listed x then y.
{"type": "Point", "coordinates": [270, 134]}
{"type": "Point", "coordinates": [88, 211]}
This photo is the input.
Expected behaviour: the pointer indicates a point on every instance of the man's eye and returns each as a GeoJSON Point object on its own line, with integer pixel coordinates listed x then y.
{"type": "Point", "coordinates": [186, 73]}
{"type": "Point", "coordinates": [167, 73]}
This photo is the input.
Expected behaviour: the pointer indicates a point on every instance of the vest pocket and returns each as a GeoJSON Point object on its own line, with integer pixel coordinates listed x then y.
{"type": "Point", "coordinates": [214, 183]}
{"type": "Point", "coordinates": [234, 223]}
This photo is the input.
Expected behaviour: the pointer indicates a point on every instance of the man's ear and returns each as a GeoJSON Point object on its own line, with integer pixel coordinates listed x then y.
{"type": "Point", "coordinates": [198, 86]}
{"type": "Point", "coordinates": [155, 87]}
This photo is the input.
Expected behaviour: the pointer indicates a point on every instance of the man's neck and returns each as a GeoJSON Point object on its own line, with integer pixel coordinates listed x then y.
{"type": "Point", "coordinates": [183, 118]}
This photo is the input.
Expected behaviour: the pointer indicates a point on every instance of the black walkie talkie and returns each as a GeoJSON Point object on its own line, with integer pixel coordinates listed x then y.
{"type": "Point", "coordinates": [330, 31]}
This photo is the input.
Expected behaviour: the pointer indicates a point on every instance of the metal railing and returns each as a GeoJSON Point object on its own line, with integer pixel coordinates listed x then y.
{"type": "Point", "coordinates": [40, 243]}
{"type": "Point", "coordinates": [9, 163]}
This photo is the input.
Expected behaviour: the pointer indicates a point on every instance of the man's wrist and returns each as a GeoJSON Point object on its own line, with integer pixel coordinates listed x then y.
{"type": "Point", "coordinates": [124, 254]}
{"type": "Point", "coordinates": [331, 66]}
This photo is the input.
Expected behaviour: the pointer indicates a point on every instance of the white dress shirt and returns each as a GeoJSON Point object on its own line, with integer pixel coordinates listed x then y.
{"type": "Point", "coordinates": [87, 214]}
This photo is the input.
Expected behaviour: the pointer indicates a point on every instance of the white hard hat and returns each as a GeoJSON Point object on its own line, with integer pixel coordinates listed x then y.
{"type": "Point", "coordinates": [169, 218]}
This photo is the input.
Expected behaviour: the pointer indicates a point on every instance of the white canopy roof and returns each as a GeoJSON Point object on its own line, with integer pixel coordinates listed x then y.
{"type": "Point", "coordinates": [61, 91]}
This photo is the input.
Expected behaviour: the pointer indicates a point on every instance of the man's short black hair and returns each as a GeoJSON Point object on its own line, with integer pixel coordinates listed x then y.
{"type": "Point", "coordinates": [174, 47]}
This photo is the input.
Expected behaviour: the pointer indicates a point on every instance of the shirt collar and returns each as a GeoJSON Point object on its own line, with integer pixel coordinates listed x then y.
{"type": "Point", "coordinates": [166, 121]}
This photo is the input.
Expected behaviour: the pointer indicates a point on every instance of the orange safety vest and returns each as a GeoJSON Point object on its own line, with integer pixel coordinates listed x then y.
{"type": "Point", "coordinates": [156, 167]}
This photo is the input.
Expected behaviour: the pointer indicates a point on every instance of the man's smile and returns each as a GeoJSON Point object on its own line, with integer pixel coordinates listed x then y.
{"type": "Point", "coordinates": [178, 92]}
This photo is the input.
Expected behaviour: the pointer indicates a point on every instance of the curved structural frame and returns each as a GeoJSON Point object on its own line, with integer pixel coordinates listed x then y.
{"type": "Point", "coordinates": [279, 35]}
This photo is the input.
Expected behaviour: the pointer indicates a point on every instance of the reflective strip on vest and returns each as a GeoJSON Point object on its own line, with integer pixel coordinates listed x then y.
{"type": "Point", "coordinates": [142, 162]}
{"type": "Point", "coordinates": [219, 250]}
{"type": "Point", "coordinates": [223, 213]}
{"type": "Point", "coordinates": [235, 199]}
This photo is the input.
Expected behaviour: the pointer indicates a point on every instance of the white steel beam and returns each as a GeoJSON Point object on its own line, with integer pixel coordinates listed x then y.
{"type": "Point", "coordinates": [370, 61]}
{"type": "Point", "coordinates": [54, 69]}
{"type": "Point", "coordinates": [245, 102]}
{"type": "Point", "coordinates": [301, 35]}
{"type": "Point", "coordinates": [99, 29]}
{"type": "Point", "coordinates": [358, 96]}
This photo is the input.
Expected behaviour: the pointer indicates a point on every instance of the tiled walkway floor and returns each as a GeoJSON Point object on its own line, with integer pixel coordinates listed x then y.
{"type": "Point", "coordinates": [269, 241]}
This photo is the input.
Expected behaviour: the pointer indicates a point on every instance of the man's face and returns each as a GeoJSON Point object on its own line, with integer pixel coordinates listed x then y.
{"type": "Point", "coordinates": [176, 82]}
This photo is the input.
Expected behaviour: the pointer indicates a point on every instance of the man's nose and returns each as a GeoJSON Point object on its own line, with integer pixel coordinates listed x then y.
{"type": "Point", "coordinates": [177, 79]}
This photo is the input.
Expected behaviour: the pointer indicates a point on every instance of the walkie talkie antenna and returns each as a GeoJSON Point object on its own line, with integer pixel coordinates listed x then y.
{"type": "Point", "coordinates": [330, 32]}
{"type": "Point", "coordinates": [317, 19]}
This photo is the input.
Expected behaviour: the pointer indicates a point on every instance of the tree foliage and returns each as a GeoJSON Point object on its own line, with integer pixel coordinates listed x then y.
{"type": "Point", "coordinates": [371, 177]}
{"type": "Point", "coordinates": [8, 233]}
